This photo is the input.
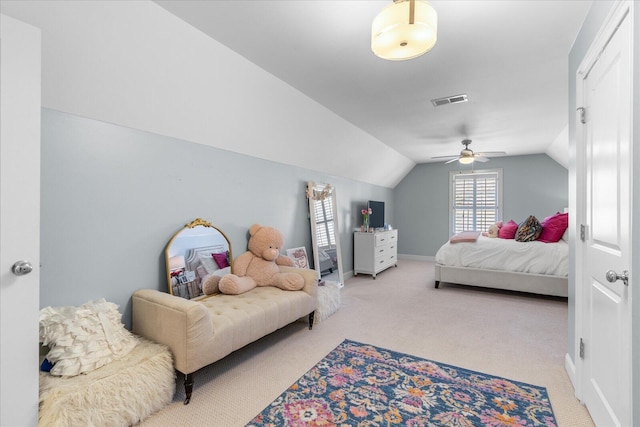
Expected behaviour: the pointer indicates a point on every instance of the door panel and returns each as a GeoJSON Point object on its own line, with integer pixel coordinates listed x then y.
{"type": "Point", "coordinates": [607, 309]}
{"type": "Point", "coordinates": [19, 220]}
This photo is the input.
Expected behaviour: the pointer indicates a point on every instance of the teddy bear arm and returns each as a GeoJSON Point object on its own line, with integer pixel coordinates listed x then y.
{"type": "Point", "coordinates": [284, 260]}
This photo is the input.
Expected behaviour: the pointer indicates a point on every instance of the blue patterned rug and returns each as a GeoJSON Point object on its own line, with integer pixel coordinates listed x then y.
{"type": "Point", "coordinates": [362, 385]}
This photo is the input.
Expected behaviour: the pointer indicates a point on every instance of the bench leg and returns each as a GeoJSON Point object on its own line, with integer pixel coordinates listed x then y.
{"type": "Point", "coordinates": [311, 317]}
{"type": "Point", "coordinates": [437, 284]}
{"type": "Point", "coordinates": [188, 387]}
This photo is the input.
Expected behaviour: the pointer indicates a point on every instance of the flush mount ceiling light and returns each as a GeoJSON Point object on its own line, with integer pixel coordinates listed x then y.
{"type": "Point", "coordinates": [405, 29]}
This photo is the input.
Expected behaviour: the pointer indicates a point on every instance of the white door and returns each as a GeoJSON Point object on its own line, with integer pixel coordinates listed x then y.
{"type": "Point", "coordinates": [19, 220]}
{"type": "Point", "coordinates": [605, 86]}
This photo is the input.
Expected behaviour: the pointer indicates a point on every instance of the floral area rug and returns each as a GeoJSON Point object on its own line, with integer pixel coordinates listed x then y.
{"type": "Point", "coordinates": [362, 385]}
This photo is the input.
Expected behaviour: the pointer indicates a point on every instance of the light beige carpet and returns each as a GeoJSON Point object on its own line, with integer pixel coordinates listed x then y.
{"type": "Point", "coordinates": [516, 336]}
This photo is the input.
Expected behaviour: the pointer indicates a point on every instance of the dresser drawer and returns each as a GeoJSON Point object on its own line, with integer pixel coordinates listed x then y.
{"type": "Point", "coordinates": [383, 238]}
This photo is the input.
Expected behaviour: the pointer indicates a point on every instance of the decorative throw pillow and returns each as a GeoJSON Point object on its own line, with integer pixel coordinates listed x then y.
{"type": "Point", "coordinates": [554, 227]}
{"type": "Point", "coordinates": [222, 259]}
{"type": "Point", "coordinates": [529, 230]}
{"type": "Point", "coordinates": [508, 230]}
{"type": "Point", "coordinates": [493, 230]}
{"type": "Point", "coordinates": [465, 236]}
{"type": "Point", "coordinates": [82, 339]}
{"type": "Point", "coordinates": [208, 262]}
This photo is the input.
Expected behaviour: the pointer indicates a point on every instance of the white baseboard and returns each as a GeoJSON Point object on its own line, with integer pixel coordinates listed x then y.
{"type": "Point", "coordinates": [416, 257]}
{"type": "Point", "coordinates": [571, 369]}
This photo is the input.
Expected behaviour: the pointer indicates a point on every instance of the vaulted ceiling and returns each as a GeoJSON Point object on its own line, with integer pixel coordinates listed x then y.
{"type": "Point", "coordinates": [508, 57]}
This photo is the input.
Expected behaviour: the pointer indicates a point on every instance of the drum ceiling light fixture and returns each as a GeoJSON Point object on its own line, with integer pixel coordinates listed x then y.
{"type": "Point", "coordinates": [403, 30]}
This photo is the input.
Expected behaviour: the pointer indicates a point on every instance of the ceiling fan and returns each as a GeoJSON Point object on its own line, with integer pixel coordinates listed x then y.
{"type": "Point", "coordinates": [467, 155]}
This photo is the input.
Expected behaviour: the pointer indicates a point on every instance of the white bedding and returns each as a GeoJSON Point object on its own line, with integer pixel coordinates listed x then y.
{"type": "Point", "coordinates": [507, 254]}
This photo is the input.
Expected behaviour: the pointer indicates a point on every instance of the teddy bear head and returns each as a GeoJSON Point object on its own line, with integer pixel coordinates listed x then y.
{"type": "Point", "coordinates": [265, 242]}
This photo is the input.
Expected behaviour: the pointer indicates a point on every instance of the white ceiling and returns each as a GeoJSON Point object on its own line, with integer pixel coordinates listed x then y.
{"type": "Point", "coordinates": [509, 57]}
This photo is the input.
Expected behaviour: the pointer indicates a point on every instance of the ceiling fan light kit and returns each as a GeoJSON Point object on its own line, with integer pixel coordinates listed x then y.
{"type": "Point", "coordinates": [466, 160]}
{"type": "Point", "coordinates": [467, 156]}
{"type": "Point", "coordinates": [403, 30]}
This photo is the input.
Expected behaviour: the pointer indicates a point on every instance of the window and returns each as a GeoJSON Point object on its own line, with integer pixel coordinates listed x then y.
{"type": "Point", "coordinates": [475, 200]}
{"type": "Point", "coordinates": [325, 234]}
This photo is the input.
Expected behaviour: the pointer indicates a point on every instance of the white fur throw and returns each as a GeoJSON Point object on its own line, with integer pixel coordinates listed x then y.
{"type": "Point", "coordinates": [84, 338]}
{"type": "Point", "coordinates": [122, 393]}
{"type": "Point", "coordinates": [328, 300]}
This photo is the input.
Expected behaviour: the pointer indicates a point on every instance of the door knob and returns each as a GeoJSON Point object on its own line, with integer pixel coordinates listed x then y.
{"type": "Point", "coordinates": [21, 268]}
{"type": "Point", "coordinates": [612, 276]}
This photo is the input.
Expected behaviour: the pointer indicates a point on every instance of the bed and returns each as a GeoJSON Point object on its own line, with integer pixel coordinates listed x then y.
{"type": "Point", "coordinates": [535, 267]}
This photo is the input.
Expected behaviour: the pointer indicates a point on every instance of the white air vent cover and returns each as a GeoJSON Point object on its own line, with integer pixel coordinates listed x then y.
{"type": "Point", "coordinates": [449, 100]}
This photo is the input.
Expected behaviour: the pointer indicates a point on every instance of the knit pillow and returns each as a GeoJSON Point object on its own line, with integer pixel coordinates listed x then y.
{"type": "Point", "coordinates": [528, 230]}
{"type": "Point", "coordinates": [82, 339]}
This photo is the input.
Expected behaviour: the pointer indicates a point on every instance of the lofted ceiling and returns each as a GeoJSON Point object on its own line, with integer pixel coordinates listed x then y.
{"type": "Point", "coordinates": [508, 57]}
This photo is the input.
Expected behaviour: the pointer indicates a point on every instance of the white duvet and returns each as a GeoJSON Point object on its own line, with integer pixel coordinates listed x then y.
{"type": "Point", "coordinates": [507, 254]}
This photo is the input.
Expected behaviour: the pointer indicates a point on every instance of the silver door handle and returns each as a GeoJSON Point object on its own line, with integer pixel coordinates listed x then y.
{"type": "Point", "coordinates": [612, 277]}
{"type": "Point", "coordinates": [21, 268]}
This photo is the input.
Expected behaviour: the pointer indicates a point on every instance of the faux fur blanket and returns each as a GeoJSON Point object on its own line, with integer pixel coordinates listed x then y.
{"type": "Point", "coordinates": [122, 393]}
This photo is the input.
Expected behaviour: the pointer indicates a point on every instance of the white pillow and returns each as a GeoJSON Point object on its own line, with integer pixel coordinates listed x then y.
{"type": "Point", "coordinates": [207, 261]}
{"type": "Point", "coordinates": [82, 339]}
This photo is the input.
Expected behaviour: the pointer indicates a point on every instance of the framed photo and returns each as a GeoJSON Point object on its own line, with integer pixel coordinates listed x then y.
{"type": "Point", "coordinates": [299, 257]}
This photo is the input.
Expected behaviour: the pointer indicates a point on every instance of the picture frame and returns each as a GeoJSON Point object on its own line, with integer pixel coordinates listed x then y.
{"type": "Point", "coordinates": [299, 257]}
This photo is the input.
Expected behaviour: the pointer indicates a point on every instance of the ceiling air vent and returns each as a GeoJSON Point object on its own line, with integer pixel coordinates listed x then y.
{"type": "Point", "coordinates": [449, 100]}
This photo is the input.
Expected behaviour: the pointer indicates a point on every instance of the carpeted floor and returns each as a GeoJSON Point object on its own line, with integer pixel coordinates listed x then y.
{"type": "Point", "coordinates": [510, 335]}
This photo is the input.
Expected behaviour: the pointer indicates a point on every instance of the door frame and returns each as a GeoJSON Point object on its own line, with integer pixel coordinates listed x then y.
{"type": "Point", "coordinates": [608, 28]}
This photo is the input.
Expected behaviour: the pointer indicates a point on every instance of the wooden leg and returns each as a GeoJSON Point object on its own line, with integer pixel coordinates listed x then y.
{"type": "Point", "coordinates": [311, 317]}
{"type": "Point", "coordinates": [188, 387]}
{"type": "Point", "coordinates": [437, 284]}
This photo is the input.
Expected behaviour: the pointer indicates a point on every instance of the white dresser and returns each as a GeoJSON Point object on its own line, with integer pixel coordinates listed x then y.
{"type": "Point", "coordinates": [374, 252]}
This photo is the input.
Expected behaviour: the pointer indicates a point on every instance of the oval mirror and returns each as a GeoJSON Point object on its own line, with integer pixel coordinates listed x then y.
{"type": "Point", "coordinates": [194, 253]}
{"type": "Point", "coordinates": [325, 240]}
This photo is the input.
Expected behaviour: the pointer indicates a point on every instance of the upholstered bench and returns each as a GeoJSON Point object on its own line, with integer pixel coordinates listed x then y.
{"type": "Point", "coordinates": [121, 393]}
{"type": "Point", "coordinates": [204, 330]}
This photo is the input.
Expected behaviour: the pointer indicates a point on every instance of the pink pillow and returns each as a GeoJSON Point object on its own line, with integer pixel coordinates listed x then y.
{"type": "Point", "coordinates": [508, 230]}
{"type": "Point", "coordinates": [465, 236]}
{"type": "Point", "coordinates": [221, 259]}
{"type": "Point", "coordinates": [553, 227]}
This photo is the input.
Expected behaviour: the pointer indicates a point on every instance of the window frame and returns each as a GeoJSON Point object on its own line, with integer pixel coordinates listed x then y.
{"type": "Point", "coordinates": [476, 174]}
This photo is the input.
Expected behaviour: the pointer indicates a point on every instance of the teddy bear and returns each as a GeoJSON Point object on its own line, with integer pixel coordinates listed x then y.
{"type": "Point", "coordinates": [259, 265]}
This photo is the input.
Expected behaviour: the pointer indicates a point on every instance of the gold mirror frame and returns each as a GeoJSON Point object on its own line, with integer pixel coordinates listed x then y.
{"type": "Point", "coordinates": [195, 238]}
{"type": "Point", "coordinates": [323, 218]}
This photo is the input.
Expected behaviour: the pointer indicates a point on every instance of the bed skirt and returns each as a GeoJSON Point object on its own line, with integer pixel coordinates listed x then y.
{"type": "Point", "coordinates": [496, 279]}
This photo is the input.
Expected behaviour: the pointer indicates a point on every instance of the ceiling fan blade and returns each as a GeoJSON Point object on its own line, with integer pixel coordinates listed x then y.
{"type": "Point", "coordinates": [453, 156]}
{"type": "Point", "coordinates": [451, 161]}
{"type": "Point", "coordinates": [491, 153]}
{"type": "Point", "coordinates": [480, 158]}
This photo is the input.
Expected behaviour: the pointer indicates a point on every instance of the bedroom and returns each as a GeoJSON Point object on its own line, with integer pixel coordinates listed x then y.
{"type": "Point", "coordinates": [71, 220]}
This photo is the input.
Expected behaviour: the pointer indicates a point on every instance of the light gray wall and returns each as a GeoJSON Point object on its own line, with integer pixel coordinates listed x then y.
{"type": "Point", "coordinates": [533, 185]}
{"type": "Point", "coordinates": [112, 197]}
{"type": "Point", "coordinates": [592, 24]}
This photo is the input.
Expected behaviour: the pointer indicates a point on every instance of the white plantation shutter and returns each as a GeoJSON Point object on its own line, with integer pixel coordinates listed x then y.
{"type": "Point", "coordinates": [325, 234]}
{"type": "Point", "coordinates": [475, 200]}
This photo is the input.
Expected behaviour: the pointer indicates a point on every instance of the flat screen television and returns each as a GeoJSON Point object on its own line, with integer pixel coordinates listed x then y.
{"type": "Point", "coordinates": [376, 219]}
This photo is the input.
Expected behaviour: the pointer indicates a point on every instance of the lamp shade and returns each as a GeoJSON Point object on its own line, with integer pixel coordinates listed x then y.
{"type": "Point", "coordinates": [176, 263]}
{"type": "Point", "coordinates": [393, 37]}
